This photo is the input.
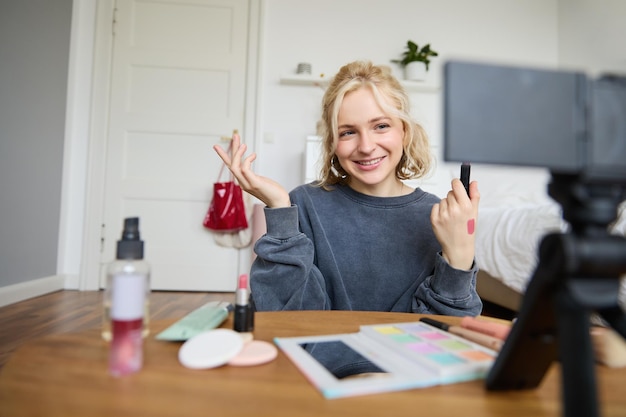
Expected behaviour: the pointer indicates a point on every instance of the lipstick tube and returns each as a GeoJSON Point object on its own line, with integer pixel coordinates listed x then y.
{"type": "Point", "coordinates": [243, 314]}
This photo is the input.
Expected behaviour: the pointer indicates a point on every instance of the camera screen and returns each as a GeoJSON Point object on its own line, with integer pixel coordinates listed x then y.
{"type": "Point", "coordinates": [514, 116]}
{"type": "Point", "coordinates": [607, 155]}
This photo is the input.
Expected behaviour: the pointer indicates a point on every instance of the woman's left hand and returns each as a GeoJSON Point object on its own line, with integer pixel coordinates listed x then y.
{"type": "Point", "coordinates": [454, 221]}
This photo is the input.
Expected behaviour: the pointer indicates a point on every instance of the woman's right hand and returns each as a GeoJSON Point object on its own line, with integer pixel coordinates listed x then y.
{"type": "Point", "coordinates": [265, 189]}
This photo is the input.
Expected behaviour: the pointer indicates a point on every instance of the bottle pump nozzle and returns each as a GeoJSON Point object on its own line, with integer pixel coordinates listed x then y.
{"type": "Point", "coordinates": [131, 229]}
{"type": "Point", "coordinates": [131, 245]}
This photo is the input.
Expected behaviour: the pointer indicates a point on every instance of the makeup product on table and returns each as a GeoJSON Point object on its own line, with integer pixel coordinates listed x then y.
{"type": "Point", "coordinates": [255, 352]}
{"type": "Point", "coordinates": [476, 337]}
{"type": "Point", "coordinates": [243, 315]}
{"type": "Point", "coordinates": [125, 302]}
{"type": "Point", "coordinates": [210, 349]}
{"type": "Point", "coordinates": [129, 262]}
{"type": "Point", "coordinates": [490, 328]}
{"type": "Point", "coordinates": [386, 357]}
{"type": "Point", "coordinates": [206, 317]}
{"type": "Point", "coordinates": [218, 347]}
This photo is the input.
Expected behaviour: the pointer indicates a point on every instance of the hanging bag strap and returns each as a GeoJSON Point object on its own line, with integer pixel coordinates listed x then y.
{"type": "Point", "coordinates": [219, 177]}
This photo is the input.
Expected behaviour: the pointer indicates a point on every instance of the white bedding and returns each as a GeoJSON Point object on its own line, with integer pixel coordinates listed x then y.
{"type": "Point", "coordinates": [508, 236]}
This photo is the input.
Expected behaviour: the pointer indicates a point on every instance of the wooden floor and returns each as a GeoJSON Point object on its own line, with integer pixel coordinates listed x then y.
{"type": "Point", "coordinates": [70, 311]}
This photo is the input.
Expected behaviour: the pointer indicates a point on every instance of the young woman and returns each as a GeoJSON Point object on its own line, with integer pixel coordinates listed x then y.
{"type": "Point", "coordinates": [361, 239]}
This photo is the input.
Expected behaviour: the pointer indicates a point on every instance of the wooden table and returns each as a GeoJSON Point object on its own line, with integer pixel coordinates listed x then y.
{"type": "Point", "coordinates": [66, 375]}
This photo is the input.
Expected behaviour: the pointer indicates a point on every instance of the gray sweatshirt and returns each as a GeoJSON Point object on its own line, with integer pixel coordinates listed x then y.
{"type": "Point", "coordinates": [342, 250]}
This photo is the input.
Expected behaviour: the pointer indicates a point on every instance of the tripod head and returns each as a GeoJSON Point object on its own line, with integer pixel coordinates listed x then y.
{"type": "Point", "coordinates": [588, 206]}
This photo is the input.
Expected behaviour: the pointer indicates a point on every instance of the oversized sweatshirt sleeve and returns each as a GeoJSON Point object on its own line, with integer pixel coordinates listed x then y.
{"type": "Point", "coordinates": [283, 276]}
{"type": "Point", "coordinates": [448, 291]}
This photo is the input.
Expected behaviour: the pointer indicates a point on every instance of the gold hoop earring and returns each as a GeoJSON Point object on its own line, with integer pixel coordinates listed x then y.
{"type": "Point", "coordinates": [338, 171]}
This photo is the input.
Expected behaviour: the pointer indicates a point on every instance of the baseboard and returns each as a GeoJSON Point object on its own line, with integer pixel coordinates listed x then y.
{"type": "Point", "coordinates": [30, 289]}
{"type": "Point", "coordinates": [71, 282]}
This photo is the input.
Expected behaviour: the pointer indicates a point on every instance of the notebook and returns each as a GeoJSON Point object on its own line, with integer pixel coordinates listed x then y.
{"type": "Point", "coordinates": [386, 357]}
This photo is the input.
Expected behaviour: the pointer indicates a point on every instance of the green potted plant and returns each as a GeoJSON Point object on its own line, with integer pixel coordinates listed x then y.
{"type": "Point", "coordinates": [415, 60]}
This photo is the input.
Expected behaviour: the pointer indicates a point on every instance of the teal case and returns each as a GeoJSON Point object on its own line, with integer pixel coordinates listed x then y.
{"type": "Point", "coordinates": [202, 319]}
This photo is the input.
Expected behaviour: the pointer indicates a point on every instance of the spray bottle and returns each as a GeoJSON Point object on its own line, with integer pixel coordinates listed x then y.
{"type": "Point", "coordinates": [126, 302]}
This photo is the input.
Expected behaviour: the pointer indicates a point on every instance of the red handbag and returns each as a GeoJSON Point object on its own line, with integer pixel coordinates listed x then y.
{"type": "Point", "coordinates": [226, 213]}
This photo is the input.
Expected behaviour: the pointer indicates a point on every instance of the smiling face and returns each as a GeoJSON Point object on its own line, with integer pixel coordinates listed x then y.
{"type": "Point", "coordinates": [369, 145]}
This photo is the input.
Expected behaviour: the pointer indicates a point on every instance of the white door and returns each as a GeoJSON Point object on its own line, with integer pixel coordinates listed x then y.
{"type": "Point", "coordinates": [177, 87]}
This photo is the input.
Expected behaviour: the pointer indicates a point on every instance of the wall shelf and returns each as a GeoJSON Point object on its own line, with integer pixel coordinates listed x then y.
{"type": "Point", "coordinates": [419, 86]}
{"type": "Point", "coordinates": [315, 81]}
{"type": "Point", "coordinates": [305, 80]}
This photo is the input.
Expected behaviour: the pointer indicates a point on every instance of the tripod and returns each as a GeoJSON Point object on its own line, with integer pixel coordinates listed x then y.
{"type": "Point", "coordinates": [577, 274]}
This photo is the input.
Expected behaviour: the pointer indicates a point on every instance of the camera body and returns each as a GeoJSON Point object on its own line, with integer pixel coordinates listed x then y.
{"type": "Point", "coordinates": [560, 120]}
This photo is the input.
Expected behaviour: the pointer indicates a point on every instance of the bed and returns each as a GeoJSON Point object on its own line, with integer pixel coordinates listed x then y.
{"type": "Point", "coordinates": [507, 240]}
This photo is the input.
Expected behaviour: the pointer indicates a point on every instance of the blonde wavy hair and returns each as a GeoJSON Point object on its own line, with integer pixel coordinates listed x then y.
{"type": "Point", "coordinates": [416, 156]}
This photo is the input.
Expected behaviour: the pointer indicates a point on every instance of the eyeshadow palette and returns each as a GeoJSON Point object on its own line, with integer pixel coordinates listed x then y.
{"type": "Point", "coordinates": [389, 357]}
{"type": "Point", "coordinates": [448, 355]}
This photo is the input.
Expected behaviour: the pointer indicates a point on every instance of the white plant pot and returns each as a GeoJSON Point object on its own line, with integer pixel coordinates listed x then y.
{"type": "Point", "coordinates": [415, 71]}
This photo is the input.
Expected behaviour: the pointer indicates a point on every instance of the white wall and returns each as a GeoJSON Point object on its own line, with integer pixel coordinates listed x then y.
{"type": "Point", "coordinates": [34, 49]}
{"type": "Point", "coordinates": [330, 33]}
{"type": "Point", "coordinates": [592, 34]}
